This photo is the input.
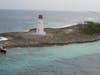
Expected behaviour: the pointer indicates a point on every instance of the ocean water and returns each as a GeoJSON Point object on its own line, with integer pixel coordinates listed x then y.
{"type": "Point", "coordinates": [76, 59]}
{"type": "Point", "coordinates": [23, 20]}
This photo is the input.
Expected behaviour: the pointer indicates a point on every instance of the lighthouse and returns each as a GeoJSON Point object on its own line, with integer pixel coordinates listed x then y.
{"type": "Point", "coordinates": [40, 26]}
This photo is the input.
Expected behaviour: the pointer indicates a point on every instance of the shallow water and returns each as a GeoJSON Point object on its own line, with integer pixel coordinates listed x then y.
{"type": "Point", "coordinates": [76, 59]}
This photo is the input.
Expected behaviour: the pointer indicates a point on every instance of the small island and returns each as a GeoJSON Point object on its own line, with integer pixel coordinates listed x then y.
{"type": "Point", "coordinates": [80, 33]}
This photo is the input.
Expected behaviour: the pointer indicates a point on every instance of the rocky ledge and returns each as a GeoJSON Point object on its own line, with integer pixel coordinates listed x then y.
{"type": "Point", "coordinates": [54, 36]}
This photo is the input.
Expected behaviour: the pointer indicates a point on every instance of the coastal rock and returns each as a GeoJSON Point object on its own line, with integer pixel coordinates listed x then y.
{"type": "Point", "coordinates": [54, 36]}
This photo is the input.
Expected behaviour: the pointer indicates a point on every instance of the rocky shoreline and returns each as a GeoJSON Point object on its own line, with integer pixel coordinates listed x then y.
{"type": "Point", "coordinates": [54, 36]}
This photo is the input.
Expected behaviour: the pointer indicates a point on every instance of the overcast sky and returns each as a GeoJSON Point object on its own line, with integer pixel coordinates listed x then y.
{"type": "Point", "coordinates": [65, 5]}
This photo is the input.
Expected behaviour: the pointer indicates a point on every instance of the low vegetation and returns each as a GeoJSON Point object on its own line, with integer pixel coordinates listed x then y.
{"type": "Point", "coordinates": [90, 28]}
{"type": "Point", "coordinates": [81, 33]}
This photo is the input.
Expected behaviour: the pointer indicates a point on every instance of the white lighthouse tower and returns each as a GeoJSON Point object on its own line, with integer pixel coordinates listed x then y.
{"type": "Point", "coordinates": [40, 26]}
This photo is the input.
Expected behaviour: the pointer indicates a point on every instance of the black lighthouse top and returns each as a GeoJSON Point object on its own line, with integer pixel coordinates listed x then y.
{"type": "Point", "coordinates": [40, 16]}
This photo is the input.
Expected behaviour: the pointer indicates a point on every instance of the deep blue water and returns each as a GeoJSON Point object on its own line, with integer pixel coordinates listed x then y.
{"type": "Point", "coordinates": [23, 20]}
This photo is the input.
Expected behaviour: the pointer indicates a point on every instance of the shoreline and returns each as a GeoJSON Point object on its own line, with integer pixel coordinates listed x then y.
{"type": "Point", "coordinates": [52, 44]}
{"type": "Point", "coordinates": [54, 36]}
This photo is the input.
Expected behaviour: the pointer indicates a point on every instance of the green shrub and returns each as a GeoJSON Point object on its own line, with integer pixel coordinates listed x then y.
{"type": "Point", "coordinates": [90, 28]}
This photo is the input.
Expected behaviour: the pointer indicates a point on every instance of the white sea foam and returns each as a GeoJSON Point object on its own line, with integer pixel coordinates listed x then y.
{"type": "Point", "coordinates": [68, 25]}
{"type": "Point", "coordinates": [3, 38]}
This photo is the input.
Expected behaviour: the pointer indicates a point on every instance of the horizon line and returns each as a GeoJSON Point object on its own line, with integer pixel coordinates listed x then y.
{"type": "Point", "coordinates": [55, 10]}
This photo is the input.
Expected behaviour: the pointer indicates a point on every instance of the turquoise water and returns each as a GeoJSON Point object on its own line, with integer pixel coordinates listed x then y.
{"type": "Point", "coordinates": [26, 61]}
